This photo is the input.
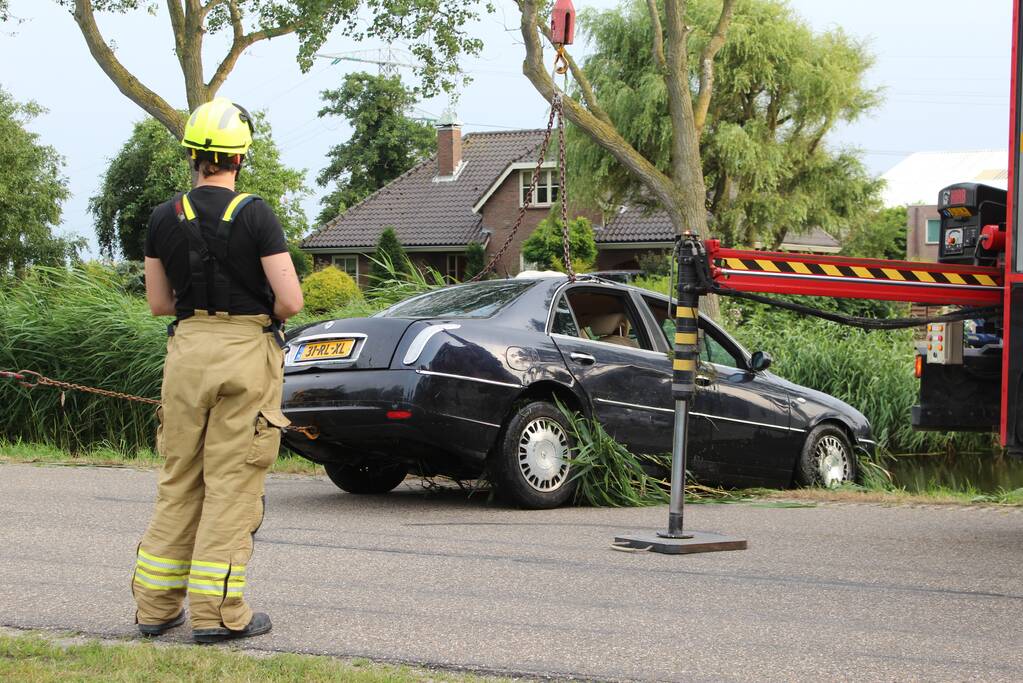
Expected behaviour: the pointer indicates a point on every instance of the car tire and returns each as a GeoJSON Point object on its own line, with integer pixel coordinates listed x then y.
{"type": "Point", "coordinates": [528, 466]}
{"type": "Point", "coordinates": [827, 459]}
{"type": "Point", "coordinates": [366, 479]}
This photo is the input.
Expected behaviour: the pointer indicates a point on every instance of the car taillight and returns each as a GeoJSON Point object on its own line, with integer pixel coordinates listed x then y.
{"type": "Point", "coordinates": [399, 414]}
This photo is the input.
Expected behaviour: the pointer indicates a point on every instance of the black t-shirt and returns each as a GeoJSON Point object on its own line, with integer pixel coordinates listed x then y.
{"type": "Point", "coordinates": [255, 232]}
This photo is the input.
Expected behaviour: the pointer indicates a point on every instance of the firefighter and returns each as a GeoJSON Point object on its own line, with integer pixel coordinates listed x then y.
{"type": "Point", "coordinates": [217, 260]}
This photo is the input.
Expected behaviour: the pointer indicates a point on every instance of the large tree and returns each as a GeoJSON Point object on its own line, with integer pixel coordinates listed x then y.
{"type": "Point", "coordinates": [385, 141]}
{"type": "Point", "coordinates": [432, 28]}
{"type": "Point", "coordinates": [689, 84]}
{"type": "Point", "coordinates": [32, 189]}
{"type": "Point", "coordinates": [151, 166]}
{"type": "Point", "coordinates": [780, 89]}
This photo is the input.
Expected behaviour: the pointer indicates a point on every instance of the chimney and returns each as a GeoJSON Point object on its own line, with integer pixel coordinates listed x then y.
{"type": "Point", "coordinates": [449, 145]}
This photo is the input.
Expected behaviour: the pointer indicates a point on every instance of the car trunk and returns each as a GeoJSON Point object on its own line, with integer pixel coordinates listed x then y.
{"type": "Point", "coordinates": [350, 344]}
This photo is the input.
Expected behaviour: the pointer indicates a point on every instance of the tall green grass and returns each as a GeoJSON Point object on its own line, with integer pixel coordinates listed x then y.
{"type": "Point", "coordinates": [79, 326]}
{"type": "Point", "coordinates": [87, 326]}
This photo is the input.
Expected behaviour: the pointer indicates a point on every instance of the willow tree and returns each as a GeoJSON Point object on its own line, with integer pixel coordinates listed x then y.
{"type": "Point", "coordinates": [689, 84]}
{"type": "Point", "coordinates": [432, 28]}
{"type": "Point", "coordinates": [780, 90]}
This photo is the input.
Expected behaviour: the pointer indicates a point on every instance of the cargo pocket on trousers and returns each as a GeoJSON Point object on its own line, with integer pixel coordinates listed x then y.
{"type": "Point", "coordinates": [267, 441]}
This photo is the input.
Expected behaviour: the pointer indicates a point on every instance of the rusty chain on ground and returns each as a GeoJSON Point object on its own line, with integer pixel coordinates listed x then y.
{"type": "Point", "coordinates": [557, 114]}
{"type": "Point", "coordinates": [31, 379]}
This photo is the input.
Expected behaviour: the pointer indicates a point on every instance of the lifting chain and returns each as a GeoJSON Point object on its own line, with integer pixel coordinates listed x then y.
{"type": "Point", "coordinates": [31, 380]}
{"type": "Point", "coordinates": [557, 114]}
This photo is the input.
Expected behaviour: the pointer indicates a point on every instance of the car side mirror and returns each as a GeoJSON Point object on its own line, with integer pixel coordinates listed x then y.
{"type": "Point", "coordinates": [760, 361]}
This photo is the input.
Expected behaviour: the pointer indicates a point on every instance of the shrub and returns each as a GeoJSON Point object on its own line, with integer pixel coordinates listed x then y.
{"type": "Point", "coordinates": [303, 262]}
{"type": "Point", "coordinates": [329, 288]}
{"type": "Point", "coordinates": [475, 259]}
{"type": "Point", "coordinates": [655, 263]}
{"type": "Point", "coordinates": [389, 250]}
{"type": "Point", "coordinates": [544, 247]}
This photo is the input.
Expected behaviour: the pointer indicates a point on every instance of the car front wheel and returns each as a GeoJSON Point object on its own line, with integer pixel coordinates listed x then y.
{"type": "Point", "coordinates": [366, 479]}
{"type": "Point", "coordinates": [827, 459]}
{"type": "Point", "coordinates": [530, 463]}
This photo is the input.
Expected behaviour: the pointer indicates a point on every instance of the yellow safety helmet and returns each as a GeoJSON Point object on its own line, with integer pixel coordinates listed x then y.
{"type": "Point", "coordinates": [219, 126]}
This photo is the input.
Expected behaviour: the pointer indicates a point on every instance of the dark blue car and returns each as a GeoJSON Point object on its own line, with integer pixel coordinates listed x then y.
{"type": "Point", "coordinates": [463, 381]}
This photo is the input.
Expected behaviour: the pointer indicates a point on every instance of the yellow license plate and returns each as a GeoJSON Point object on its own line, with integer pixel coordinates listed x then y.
{"type": "Point", "coordinates": [333, 349]}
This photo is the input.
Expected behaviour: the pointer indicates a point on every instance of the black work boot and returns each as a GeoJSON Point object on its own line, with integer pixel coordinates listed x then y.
{"type": "Point", "coordinates": [258, 625]}
{"type": "Point", "coordinates": [159, 629]}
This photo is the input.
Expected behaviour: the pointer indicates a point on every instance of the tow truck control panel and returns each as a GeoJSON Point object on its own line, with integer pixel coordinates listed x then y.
{"type": "Point", "coordinates": [972, 224]}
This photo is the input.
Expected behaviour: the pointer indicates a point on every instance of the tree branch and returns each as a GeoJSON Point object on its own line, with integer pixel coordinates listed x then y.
{"type": "Point", "coordinates": [177, 17]}
{"type": "Point", "coordinates": [130, 86]}
{"type": "Point", "coordinates": [589, 96]}
{"type": "Point", "coordinates": [602, 132]}
{"type": "Point", "coordinates": [658, 49]}
{"type": "Point", "coordinates": [676, 80]}
{"type": "Point", "coordinates": [710, 51]}
{"type": "Point", "coordinates": [239, 45]}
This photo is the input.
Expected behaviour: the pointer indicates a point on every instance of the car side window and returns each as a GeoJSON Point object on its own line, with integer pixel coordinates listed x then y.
{"type": "Point", "coordinates": [606, 316]}
{"type": "Point", "coordinates": [711, 350]}
{"type": "Point", "coordinates": [659, 309]}
{"type": "Point", "coordinates": [564, 321]}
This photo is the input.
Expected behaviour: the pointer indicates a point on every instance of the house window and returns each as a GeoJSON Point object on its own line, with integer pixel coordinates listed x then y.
{"type": "Point", "coordinates": [455, 269]}
{"type": "Point", "coordinates": [546, 192]}
{"type": "Point", "coordinates": [349, 263]}
{"type": "Point", "coordinates": [933, 231]}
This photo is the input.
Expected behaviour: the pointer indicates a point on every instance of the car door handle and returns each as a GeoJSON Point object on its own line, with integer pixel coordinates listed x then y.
{"type": "Point", "coordinates": [703, 381]}
{"type": "Point", "coordinates": [583, 358]}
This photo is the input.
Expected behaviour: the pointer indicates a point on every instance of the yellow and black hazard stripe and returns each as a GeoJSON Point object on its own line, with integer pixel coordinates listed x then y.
{"type": "Point", "coordinates": [901, 274]}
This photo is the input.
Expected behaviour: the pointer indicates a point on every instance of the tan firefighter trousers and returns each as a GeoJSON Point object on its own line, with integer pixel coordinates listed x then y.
{"type": "Point", "coordinates": [220, 429]}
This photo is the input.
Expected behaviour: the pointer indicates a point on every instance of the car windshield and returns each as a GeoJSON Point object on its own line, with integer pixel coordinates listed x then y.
{"type": "Point", "coordinates": [476, 300]}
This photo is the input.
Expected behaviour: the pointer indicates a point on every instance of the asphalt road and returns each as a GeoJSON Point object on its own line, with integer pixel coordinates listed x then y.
{"type": "Point", "coordinates": [837, 592]}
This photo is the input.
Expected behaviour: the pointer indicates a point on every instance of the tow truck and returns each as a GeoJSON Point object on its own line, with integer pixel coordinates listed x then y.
{"type": "Point", "coordinates": [970, 370]}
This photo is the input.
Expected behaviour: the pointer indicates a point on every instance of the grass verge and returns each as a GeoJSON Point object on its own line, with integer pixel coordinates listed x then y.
{"type": "Point", "coordinates": [23, 452]}
{"type": "Point", "coordinates": [33, 657]}
{"type": "Point", "coordinates": [933, 496]}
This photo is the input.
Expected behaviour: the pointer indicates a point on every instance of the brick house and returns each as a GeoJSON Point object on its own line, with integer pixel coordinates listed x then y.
{"type": "Point", "coordinates": [915, 182]}
{"type": "Point", "coordinates": [471, 190]}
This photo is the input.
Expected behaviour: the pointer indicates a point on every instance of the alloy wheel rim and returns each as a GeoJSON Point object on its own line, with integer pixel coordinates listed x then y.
{"type": "Point", "coordinates": [543, 455]}
{"type": "Point", "coordinates": [834, 466]}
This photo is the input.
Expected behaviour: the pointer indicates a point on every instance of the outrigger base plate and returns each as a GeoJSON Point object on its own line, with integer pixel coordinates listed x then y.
{"type": "Point", "coordinates": [691, 542]}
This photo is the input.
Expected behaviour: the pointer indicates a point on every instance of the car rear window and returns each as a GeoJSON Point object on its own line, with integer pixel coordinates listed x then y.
{"type": "Point", "coordinates": [476, 300]}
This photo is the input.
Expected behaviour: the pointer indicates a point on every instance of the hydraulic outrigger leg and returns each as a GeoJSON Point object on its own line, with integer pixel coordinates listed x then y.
{"type": "Point", "coordinates": [674, 540]}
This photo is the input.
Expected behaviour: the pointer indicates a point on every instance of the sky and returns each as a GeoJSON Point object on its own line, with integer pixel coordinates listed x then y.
{"type": "Point", "coordinates": [944, 66]}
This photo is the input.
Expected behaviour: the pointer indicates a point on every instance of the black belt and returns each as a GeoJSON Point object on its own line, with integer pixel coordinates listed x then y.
{"type": "Point", "coordinates": [276, 328]}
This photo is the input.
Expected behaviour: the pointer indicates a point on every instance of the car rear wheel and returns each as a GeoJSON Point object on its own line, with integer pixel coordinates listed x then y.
{"type": "Point", "coordinates": [827, 459]}
{"type": "Point", "coordinates": [366, 479]}
{"type": "Point", "coordinates": [529, 466]}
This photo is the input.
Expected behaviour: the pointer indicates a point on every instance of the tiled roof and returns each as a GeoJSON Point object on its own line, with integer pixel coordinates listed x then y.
{"type": "Point", "coordinates": [636, 224]}
{"type": "Point", "coordinates": [424, 212]}
{"type": "Point", "coordinates": [814, 237]}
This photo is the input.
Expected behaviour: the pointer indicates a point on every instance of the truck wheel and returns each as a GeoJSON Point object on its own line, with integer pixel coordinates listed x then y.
{"type": "Point", "coordinates": [366, 479]}
{"type": "Point", "coordinates": [529, 465]}
{"type": "Point", "coordinates": [827, 459]}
